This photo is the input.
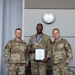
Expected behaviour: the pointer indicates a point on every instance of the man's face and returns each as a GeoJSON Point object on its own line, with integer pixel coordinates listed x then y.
{"type": "Point", "coordinates": [18, 33]}
{"type": "Point", "coordinates": [56, 34]}
{"type": "Point", "coordinates": [39, 29]}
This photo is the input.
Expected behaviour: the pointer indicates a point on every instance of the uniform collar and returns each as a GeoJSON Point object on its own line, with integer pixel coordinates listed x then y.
{"type": "Point", "coordinates": [40, 34]}
{"type": "Point", "coordinates": [20, 41]}
{"type": "Point", "coordinates": [57, 40]}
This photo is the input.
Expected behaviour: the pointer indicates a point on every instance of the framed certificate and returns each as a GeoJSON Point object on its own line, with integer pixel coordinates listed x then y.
{"type": "Point", "coordinates": [39, 54]}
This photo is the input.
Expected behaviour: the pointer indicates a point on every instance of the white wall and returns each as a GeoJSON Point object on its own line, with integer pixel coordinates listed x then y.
{"type": "Point", "coordinates": [1, 27]}
{"type": "Point", "coordinates": [64, 21]}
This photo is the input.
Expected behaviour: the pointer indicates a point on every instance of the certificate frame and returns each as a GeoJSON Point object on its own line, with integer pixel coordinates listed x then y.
{"type": "Point", "coordinates": [39, 54]}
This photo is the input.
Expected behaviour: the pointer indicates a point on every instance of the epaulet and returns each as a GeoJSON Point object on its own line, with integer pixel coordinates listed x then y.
{"type": "Point", "coordinates": [64, 40]}
{"type": "Point", "coordinates": [10, 41]}
{"type": "Point", "coordinates": [46, 35]}
{"type": "Point", "coordinates": [33, 36]}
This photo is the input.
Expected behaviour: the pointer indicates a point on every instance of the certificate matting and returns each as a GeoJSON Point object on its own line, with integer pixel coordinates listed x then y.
{"type": "Point", "coordinates": [39, 54]}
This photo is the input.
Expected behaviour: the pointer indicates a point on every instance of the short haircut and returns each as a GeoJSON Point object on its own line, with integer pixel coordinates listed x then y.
{"type": "Point", "coordinates": [39, 24]}
{"type": "Point", "coordinates": [56, 29]}
{"type": "Point", "coordinates": [18, 29]}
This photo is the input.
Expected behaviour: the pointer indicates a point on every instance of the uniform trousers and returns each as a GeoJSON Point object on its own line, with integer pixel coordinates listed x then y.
{"type": "Point", "coordinates": [16, 69]}
{"type": "Point", "coordinates": [38, 68]}
{"type": "Point", "coordinates": [61, 69]}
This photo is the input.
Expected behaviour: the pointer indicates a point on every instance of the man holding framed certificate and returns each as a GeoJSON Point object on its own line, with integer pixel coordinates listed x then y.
{"type": "Point", "coordinates": [39, 48]}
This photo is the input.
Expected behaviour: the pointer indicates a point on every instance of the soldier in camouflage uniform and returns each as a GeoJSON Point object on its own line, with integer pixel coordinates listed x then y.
{"type": "Point", "coordinates": [62, 54]}
{"type": "Point", "coordinates": [16, 55]}
{"type": "Point", "coordinates": [39, 40]}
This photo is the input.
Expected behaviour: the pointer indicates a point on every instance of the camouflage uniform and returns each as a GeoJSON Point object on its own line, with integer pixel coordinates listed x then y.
{"type": "Point", "coordinates": [61, 51]}
{"type": "Point", "coordinates": [16, 55]}
{"type": "Point", "coordinates": [39, 68]}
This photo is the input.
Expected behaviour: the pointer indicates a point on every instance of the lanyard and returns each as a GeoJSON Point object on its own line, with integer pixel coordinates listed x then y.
{"type": "Point", "coordinates": [38, 38]}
